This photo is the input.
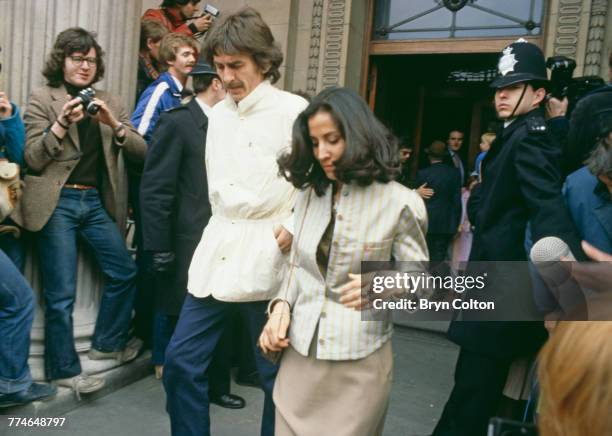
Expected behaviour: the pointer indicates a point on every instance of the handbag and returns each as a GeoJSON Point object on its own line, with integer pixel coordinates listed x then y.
{"type": "Point", "coordinates": [10, 187]}
{"type": "Point", "coordinates": [275, 356]}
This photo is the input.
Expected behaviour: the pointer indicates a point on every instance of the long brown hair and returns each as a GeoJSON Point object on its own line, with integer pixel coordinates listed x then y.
{"type": "Point", "coordinates": [575, 372]}
{"type": "Point", "coordinates": [72, 40]}
{"type": "Point", "coordinates": [245, 32]}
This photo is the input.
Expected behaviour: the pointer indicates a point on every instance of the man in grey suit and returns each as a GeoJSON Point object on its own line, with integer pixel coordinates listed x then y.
{"type": "Point", "coordinates": [74, 149]}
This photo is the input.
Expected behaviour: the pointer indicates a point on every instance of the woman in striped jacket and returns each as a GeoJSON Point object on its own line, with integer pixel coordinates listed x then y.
{"type": "Point", "coordinates": [349, 210]}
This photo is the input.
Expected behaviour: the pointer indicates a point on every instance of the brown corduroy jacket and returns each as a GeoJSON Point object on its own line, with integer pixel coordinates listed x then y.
{"type": "Point", "coordinates": [50, 161]}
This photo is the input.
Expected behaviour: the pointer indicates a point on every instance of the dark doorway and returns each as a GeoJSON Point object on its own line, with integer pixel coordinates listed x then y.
{"type": "Point", "coordinates": [423, 97]}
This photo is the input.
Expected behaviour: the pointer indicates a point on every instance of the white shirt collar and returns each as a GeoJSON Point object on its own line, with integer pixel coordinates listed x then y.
{"type": "Point", "coordinates": [256, 95]}
{"type": "Point", "coordinates": [205, 108]}
{"type": "Point", "coordinates": [178, 83]}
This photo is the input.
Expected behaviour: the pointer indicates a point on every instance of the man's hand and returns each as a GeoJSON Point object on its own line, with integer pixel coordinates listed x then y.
{"type": "Point", "coordinates": [283, 238]}
{"type": "Point", "coordinates": [425, 192]}
{"type": "Point", "coordinates": [6, 110]}
{"type": "Point", "coordinates": [203, 23]}
{"type": "Point", "coordinates": [555, 107]}
{"type": "Point", "coordinates": [72, 112]}
{"type": "Point", "coordinates": [104, 115]}
{"type": "Point", "coordinates": [273, 338]}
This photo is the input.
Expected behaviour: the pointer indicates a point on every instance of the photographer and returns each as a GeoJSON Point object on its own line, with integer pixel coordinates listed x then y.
{"type": "Point", "coordinates": [575, 108]}
{"type": "Point", "coordinates": [74, 144]}
{"type": "Point", "coordinates": [178, 16]}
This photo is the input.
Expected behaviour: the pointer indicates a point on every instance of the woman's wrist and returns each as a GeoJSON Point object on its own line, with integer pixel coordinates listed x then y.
{"type": "Point", "coordinates": [275, 308]}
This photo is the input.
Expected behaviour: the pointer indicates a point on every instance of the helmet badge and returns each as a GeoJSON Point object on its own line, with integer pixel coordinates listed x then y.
{"type": "Point", "coordinates": [507, 62]}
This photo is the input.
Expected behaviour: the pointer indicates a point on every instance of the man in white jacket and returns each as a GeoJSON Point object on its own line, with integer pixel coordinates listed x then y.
{"type": "Point", "coordinates": [240, 260]}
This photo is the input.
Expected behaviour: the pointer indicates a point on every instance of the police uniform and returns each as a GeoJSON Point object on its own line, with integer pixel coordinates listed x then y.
{"type": "Point", "coordinates": [521, 183]}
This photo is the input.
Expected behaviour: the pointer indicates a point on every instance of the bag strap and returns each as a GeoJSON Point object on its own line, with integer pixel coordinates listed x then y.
{"type": "Point", "coordinates": [293, 261]}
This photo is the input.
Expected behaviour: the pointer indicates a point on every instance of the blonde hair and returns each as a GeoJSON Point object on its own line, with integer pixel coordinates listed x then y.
{"type": "Point", "coordinates": [575, 372]}
{"type": "Point", "coordinates": [488, 138]}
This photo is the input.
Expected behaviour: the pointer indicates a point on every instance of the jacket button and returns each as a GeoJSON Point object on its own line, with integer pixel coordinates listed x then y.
{"type": "Point", "coordinates": [321, 341]}
{"type": "Point", "coordinates": [323, 316]}
{"type": "Point", "coordinates": [339, 217]}
{"type": "Point", "coordinates": [345, 193]}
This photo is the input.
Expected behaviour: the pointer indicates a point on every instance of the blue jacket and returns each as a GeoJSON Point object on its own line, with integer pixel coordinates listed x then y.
{"type": "Point", "coordinates": [161, 95]}
{"type": "Point", "coordinates": [12, 137]}
{"type": "Point", "coordinates": [589, 204]}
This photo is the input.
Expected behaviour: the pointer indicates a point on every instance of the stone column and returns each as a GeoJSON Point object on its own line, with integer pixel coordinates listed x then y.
{"type": "Point", "coordinates": [27, 31]}
{"type": "Point", "coordinates": [596, 54]}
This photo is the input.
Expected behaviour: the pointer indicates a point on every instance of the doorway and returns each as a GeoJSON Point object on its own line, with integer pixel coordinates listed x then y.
{"type": "Point", "coordinates": [422, 97]}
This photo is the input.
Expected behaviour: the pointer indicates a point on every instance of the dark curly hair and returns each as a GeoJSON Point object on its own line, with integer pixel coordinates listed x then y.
{"type": "Point", "coordinates": [371, 152]}
{"type": "Point", "coordinates": [245, 32]}
{"type": "Point", "coordinates": [72, 40]}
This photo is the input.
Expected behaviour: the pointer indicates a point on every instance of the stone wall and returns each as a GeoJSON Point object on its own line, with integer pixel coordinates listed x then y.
{"type": "Point", "coordinates": [580, 29]}
{"type": "Point", "coordinates": [29, 27]}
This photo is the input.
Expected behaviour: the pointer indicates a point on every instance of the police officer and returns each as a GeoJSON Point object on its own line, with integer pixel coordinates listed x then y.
{"type": "Point", "coordinates": [521, 184]}
{"type": "Point", "coordinates": [175, 210]}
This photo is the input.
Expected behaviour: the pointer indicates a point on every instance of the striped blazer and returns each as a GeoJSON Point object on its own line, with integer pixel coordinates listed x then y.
{"type": "Point", "coordinates": [372, 223]}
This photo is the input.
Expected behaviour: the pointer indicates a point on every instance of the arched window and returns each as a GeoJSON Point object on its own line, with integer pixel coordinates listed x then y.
{"type": "Point", "coordinates": [439, 19]}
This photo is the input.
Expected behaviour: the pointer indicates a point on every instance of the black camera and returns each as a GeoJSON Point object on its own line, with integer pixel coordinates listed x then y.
{"type": "Point", "coordinates": [86, 96]}
{"type": "Point", "coordinates": [564, 85]}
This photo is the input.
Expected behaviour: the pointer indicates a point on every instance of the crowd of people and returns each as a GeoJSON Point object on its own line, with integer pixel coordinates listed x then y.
{"type": "Point", "coordinates": [254, 207]}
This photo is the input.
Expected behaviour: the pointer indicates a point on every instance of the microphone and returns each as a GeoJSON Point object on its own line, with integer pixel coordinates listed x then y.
{"type": "Point", "coordinates": [550, 249]}
{"type": "Point", "coordinates": [546, 256]}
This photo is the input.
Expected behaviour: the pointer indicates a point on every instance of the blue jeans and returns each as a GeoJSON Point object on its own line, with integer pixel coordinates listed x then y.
{"type": "Point", "coordinates": [12, 247]}
{"type": "Point", "coordinates": [80, 213]}
{"type": "Point", "coordinates": [16, 317]}
{"type": "Point", "coordinates": [189, 354]}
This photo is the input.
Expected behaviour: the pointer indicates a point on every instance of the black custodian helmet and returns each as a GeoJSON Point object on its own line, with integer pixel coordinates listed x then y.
{"type": "Point", "coordinates": [519, 62]}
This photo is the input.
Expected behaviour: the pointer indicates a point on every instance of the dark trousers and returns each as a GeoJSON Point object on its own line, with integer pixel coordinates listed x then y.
{"type": "Point", "coordinates": [219, 369]}
{"type": "Point", "coordinates": [437, 244]}
{"type": "Point", "coordinates": [189, 354]}
{"type": "Point", "coordinates": [476, 396]}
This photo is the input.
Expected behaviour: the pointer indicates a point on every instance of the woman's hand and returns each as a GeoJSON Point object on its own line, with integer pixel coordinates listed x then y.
{"type": "Point", "coordinates": [283, 238]}
{"type": "Point", "coordinates": [274, 338]}
{"type": "Point", "coordinates": [351, 294]}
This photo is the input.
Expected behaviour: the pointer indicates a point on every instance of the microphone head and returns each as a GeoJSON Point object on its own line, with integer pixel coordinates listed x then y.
{"type": "Point", "coordinates": [550, 249]}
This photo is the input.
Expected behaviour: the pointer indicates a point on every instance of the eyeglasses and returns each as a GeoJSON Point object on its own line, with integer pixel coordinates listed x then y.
{"type": "Point", "coordinates": [78, 60]}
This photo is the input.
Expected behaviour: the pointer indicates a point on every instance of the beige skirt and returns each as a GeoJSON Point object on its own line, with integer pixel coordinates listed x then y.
{"type": "Point", "coordinates": [328, 397]}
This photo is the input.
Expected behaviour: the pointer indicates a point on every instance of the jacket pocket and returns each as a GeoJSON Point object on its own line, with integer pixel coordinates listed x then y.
{"type": "Point", "coordinates": [40, 197]}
